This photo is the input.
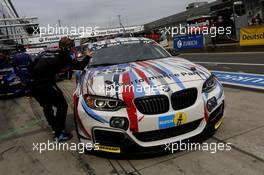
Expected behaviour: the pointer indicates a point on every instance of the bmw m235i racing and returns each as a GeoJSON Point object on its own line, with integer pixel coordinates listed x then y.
{"type": "Point", "coordinates": [135, 94]}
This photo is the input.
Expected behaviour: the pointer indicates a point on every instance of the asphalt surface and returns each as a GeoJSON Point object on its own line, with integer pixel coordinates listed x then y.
{"type": "Point", "coordinates": [22, 124]}
{"type": "Point", "coordinates": [247, 62]}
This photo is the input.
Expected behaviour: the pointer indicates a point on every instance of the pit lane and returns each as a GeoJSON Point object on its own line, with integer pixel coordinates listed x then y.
{"type": "Point", "coordinates": [243, 127]}
{"type": "Point", "coordinates": [246, 62]}
{"type": "Point", "coordinates": [22, 124]}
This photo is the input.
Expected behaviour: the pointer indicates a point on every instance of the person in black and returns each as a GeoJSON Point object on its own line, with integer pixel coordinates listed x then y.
{"type": "Point", "coordinates": [44, 88]}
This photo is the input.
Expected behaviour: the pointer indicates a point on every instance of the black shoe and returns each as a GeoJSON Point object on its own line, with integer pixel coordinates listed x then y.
{"type": "Point", "coordinates": [63, 137]}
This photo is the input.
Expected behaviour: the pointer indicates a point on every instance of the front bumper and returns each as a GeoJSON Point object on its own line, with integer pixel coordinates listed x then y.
{"type": "Point", "coordinates": [151, 135]}
{"type": "Point", "coordinates": [117, 141]}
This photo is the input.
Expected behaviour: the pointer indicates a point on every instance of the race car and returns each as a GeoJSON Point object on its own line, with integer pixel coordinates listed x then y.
{"type": "Point", "coordinates": [134, 95]}
{"type": "Point", "coordinates": [10, 83]}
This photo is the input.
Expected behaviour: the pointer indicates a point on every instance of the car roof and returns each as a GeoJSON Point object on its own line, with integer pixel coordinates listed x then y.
{"type": "Point", "coordinates": [118, 41]}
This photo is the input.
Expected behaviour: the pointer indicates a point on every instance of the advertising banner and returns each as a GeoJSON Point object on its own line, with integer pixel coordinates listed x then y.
{"type": "Point", "coordinates": [188, 42]}
{"type": "Point", "coordinates": [250, 36]}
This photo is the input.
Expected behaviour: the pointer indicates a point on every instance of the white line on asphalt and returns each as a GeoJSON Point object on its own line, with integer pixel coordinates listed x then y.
{"type": "Point", "coordinates": [236, 73]}
{"type": "Point", "coordinates": [226, 67]}
{"type": "Point", "coordinates": [243, 85]}
{"type": "Point", "coordinates": [223, 53]}
{"type": "Point", "coordinates": [224, 63]}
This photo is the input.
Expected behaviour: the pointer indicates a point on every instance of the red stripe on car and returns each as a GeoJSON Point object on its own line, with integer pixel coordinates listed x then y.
{"type": "Point", "coordinates": [128, 96]}
{"type": "Point", "coordinates": [141, 74]}
{"type": "Point", "coordinates": [206, 115]}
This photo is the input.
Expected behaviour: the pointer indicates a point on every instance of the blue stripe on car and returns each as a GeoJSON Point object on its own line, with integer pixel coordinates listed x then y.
{"type": "Point", "coordinates": [137, 93]}
{"type": "Point", "coordinates": [168, 72]}
{"type": "Point", "coordinates": [92, 114]}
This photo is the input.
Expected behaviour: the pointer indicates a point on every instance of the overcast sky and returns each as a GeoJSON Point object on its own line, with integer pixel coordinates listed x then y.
{"type": "Point", "coordinates": [101, 13]}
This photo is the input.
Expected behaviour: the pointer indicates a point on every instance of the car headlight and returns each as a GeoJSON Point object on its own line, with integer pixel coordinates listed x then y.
{"type": "Point", "coordinates": [103, 103]}
{"type": "Point", "coordinates": [209, 84]}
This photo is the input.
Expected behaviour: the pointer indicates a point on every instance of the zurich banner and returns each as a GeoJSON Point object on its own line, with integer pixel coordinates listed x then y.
{"type": "Point", "coordinates": [188, 42]}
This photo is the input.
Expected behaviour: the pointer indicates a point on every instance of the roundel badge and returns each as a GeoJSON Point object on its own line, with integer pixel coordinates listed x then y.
{"type": "Point", "coordinates": [180, 118]}
{"type": "Point", "coordinates": [166, 88]}
{"type": "Point", "coordinates": [179, 44]}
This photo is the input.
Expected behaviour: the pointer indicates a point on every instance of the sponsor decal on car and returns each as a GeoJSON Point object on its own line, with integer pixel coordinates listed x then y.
{"type": "Point", "coordinates": [110, 149]}
{"type": "Point", "coordinates": [147, 79]}
{"type": "Point", "coordinates": [112, 71]}
{"type": "Point", "coordinates": [218, 124]}
{"type": "Point", "coordinates": [172, 120]}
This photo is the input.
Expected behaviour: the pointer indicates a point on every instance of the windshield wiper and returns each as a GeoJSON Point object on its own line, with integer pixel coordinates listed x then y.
{"type": "Point", "coordinates": [149, 59]}
{"type": "Point", "coordinates": [141, 60]}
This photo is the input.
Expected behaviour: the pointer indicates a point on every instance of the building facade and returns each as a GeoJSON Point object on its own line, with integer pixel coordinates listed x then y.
{"type": "Point", "coordinates": [255, 7]}
{"type": "Point", "coordinates": [9, 35]}
{"type": "Point", "coordinates": [230, 13]}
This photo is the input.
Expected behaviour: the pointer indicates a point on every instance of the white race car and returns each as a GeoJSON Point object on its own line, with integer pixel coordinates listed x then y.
{"type": "Point", "coordinates": [134, 95]}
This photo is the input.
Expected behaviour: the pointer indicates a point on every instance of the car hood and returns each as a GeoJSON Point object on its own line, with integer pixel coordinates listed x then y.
{"type": "Point", "coordinates": [172, 70]}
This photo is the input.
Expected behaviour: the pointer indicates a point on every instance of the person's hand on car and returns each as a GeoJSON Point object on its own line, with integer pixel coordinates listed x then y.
{"type": "Point", "coordinates": [89, 53]}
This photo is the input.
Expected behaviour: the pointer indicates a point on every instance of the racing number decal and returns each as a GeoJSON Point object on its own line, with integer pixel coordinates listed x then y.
{"type": "Point", "coordinates": [180, 118]}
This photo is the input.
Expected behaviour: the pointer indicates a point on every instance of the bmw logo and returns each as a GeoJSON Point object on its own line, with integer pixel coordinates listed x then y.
{"type": "Point", "coordinates": [166, 88]}
{"type": "Point", "coordinates": [41, 40]}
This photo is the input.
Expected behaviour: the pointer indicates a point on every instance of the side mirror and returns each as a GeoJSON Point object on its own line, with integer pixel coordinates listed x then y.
{"type": "Point", "coordinates": [173, 52]}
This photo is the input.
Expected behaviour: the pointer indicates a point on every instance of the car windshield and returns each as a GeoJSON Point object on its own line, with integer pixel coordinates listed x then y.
{"type": "Point", "coordinates": [124, 53]}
